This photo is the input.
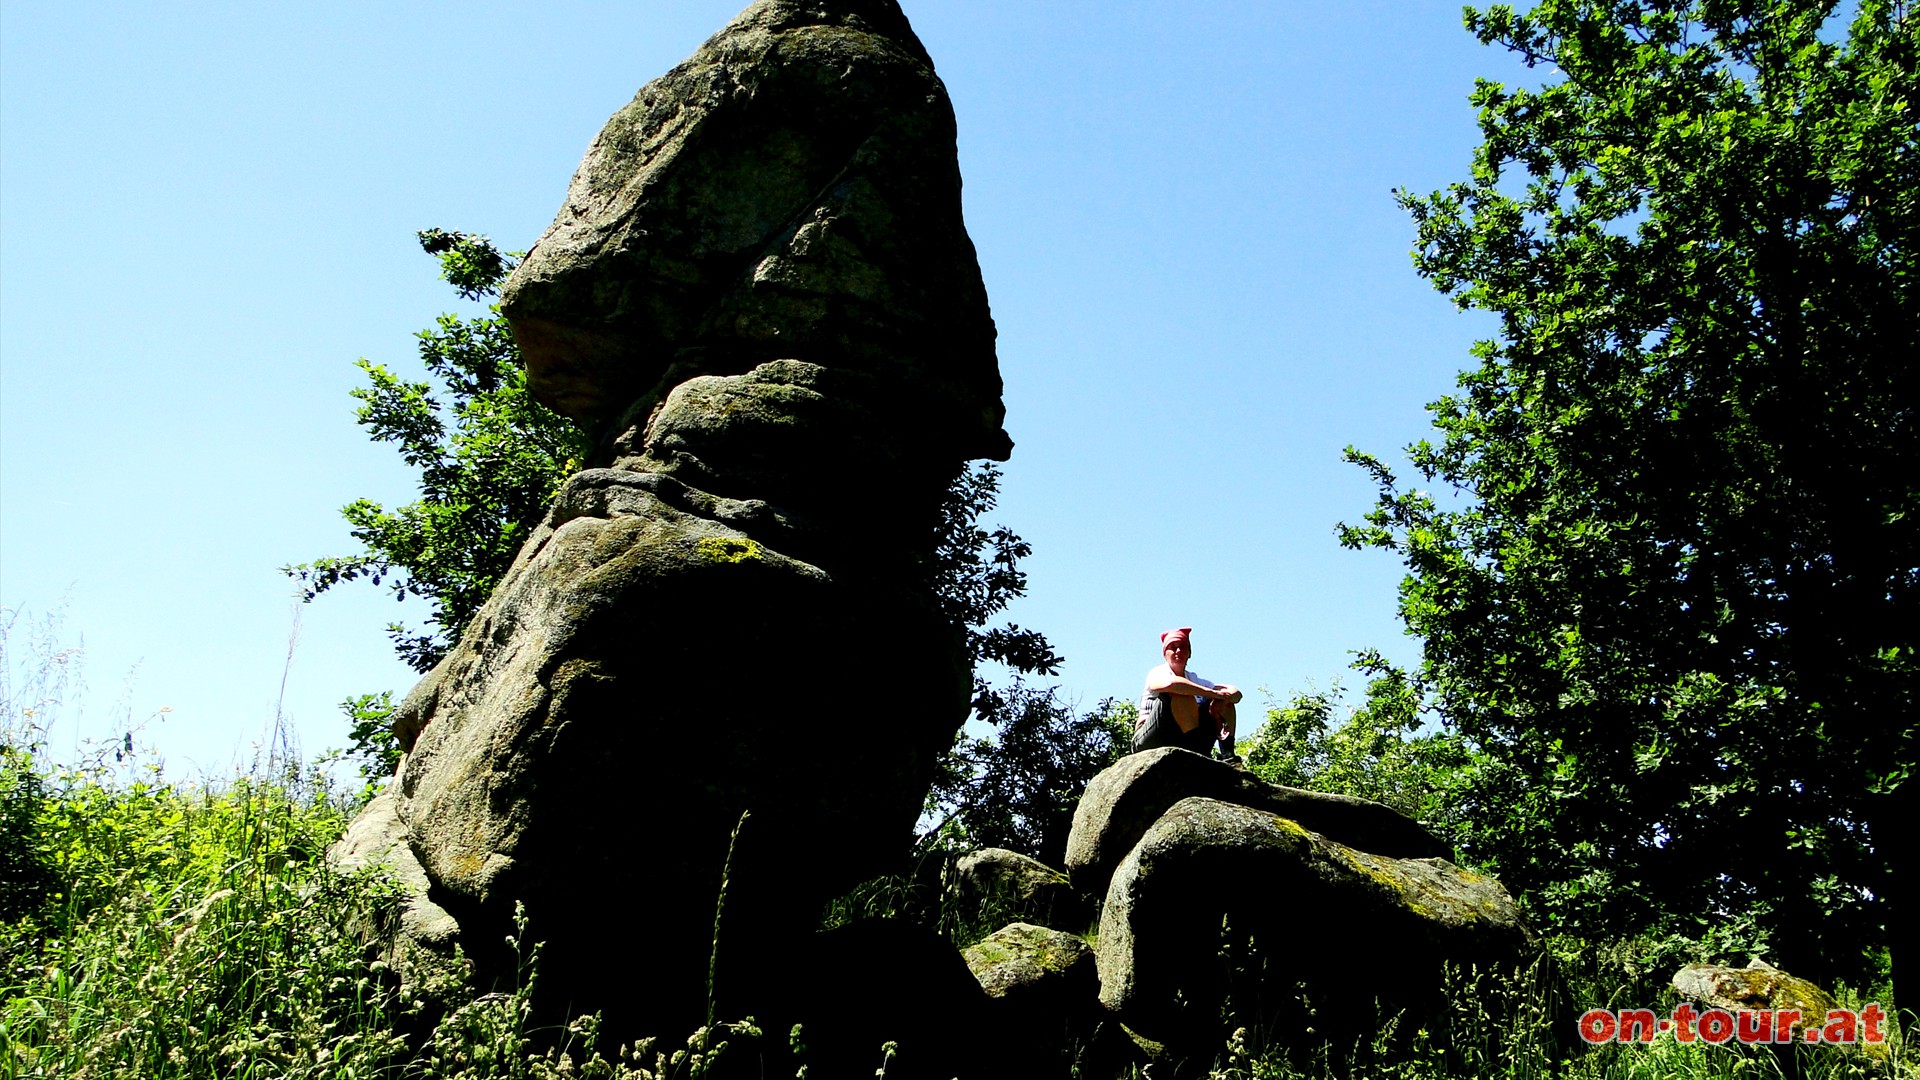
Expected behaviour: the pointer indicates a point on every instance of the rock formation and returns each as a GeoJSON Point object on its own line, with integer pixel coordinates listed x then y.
{"type": "Point", "coordinates": [760, 293]}
{"type": "Point", "coordinates": [1320, 913]}
{"type": "Point", "coordinates": [1225, 893]}
{"type": "Point", "coordinates": [1125, 800]}
{"type": "Point", "coordinates": [1759, 985]}
{"type": "Point", "coordinates": [1044, 990]}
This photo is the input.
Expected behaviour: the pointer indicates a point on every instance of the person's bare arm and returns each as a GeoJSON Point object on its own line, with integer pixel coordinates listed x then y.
{"type": "Point", "coordinates": [1171, 683]}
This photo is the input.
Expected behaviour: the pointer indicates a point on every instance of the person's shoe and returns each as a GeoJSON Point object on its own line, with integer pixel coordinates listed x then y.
{"type": "Point", "coordinates": [1236, 761]}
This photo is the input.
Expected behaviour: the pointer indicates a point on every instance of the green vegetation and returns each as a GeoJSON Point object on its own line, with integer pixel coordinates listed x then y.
{"type": "Point", "coordinates": [489, 459]}
{"type": "Point", "coordinates": [1016, 788]}
{"type": "Point", "coordinates": [1667, 603]}
{"type": "Point", "coordinates": [193, 930]}
{"type": "Point", "coordinates": [1669, 609]}
{"type": "Point", "coordinates": [1379, 751]}
{"type": "Point", "coordinates": [163, 930]}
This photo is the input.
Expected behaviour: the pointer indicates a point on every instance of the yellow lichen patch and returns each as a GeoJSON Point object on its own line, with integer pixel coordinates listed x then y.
{"type": "Point", "coordinates": [1054, 958]}
{"type": "Point", "coordinates": [727, 549]}
{"type": "Point", "coordinates": [1372, 868]}
{"type": "Point", "coordinates": [1293, 829]}
{"type": "Point", "coordinates": [469, 863]}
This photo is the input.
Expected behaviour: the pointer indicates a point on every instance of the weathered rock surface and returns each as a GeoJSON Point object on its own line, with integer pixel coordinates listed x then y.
{"type": "Point", "coordinates": [1035, 967]}
{"type": "Point", "coordinates": [1125, 800]}
{"type": "Point", "coordinates": [790, 191]}
{"type": "Point", "coordinates": [640, 678]}
{"type": "Point", "coordinates": [377, 839]}
{"type": "Point", "coordinates": [1351, 925]}
{"type": "Point", "coordinates": [1761, 986]}
{"type": "Point", "coordinates": [1756, 986]}
{"type": "Point", "coordinates": [418, 939]}
{"type": "Point", "coordinates": [1045, 995]}
{"type": "Point", "coordinates": [1009, 885]}
{"type": "Point", "coordinates": [761, 289]}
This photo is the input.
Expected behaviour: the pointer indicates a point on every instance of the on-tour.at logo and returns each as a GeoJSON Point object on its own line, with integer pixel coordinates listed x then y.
{"type": "Point", "coordinates": [1745, 1025]}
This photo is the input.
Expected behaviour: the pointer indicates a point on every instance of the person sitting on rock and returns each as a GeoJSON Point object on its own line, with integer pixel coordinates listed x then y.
{"type": "Point", "coordinates": [1180, 708]}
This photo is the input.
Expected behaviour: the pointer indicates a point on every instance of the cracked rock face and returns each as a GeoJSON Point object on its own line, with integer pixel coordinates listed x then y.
{"type": "Point", "coordinates": [719, 650]}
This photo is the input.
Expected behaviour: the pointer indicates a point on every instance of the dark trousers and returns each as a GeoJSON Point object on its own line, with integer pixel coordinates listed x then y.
{"type": "Point", "coordinates": [1158, 728]}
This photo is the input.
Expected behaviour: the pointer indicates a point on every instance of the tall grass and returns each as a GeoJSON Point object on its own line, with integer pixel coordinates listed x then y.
{"type": "Point", "coordinates": [192, 931]}
{"type": "Point", "coordinates": [184, 931]}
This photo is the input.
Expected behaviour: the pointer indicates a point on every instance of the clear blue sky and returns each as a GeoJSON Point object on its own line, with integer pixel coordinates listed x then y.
{"type": "Point", "coordinates": [1183, 214]}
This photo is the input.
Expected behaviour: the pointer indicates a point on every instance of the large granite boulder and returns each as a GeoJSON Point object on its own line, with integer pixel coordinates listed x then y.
{"type": "Point", "coordinates": [790, 191]}
{"type": "Point", "coordinates": [720, 651]}
{"type": "Point", "coordinates": [1358, 930]}
{"type": "Point", "coordinates": [1132, 794]}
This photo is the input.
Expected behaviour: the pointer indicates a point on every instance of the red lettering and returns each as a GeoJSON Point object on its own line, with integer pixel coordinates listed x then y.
{"type": "Point", "coordinates": [1784, 1022]}
{"type": "Point", "coordinates": [1683, 1018]}
{"type": "Point", "coordinates": [1871, 1017]}
{"type": "Point", "coordinates": [1641, 1024]}
{"type": "Point", "coordinates": [1756, 1026]}
{"type": "Point", "coordinates": [1840, 1027]}
{"type": "Point", "coordinates": [1597, 1026]}
{"type": "Point", "coordinates": [1716, 1025]}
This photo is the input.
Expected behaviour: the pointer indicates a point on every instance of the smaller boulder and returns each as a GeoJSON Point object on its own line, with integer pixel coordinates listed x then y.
{"type": "Point", "coordinates": [997, 885]}
{"type": "Point", "coordinates": [1045, 991]}
{"type": "Point", "coordinates": [1757, 986]}
{"type": "Point", "coordinates": [1035, 967]}
{"type": "Point", "coordinates": [418, 939]}
{"type": "Point", "coordinates": [1761, 986]}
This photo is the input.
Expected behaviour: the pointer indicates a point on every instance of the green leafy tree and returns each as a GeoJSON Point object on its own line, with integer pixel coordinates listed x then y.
{"type": "Point", "coordinates": [1673, 607]}
{"type": "Point", "coordinates": [1380, 750]}
{"type": "Point", "coordinates": [1016, 788]}
{"type": "Point", "coordinates": [489, 458]}
{"type": "Point", "coordinates": [975, 573]}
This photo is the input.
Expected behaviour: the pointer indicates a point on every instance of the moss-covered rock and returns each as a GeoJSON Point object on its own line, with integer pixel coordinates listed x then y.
{"type": "Point", "coordinates": [1299, 910]}
{"type": "Point", "coordinates": [1022, 962]}
{"type": "Point", "coordinates": [1044, 987]}
{"type": "Point", "coordinates": [1126, 799]}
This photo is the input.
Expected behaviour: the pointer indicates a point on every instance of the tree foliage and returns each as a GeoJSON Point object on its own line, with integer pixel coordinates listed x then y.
{"type": "Point", "coordinates": [489, 458]}
{"type": "Point", "coordinates": [487, 455]}
{"type": "Point", "coordinates": [976, 573]}
{"type": "Point", "coordinates": [1017, 787]}
{"type": "Point", "coordinates": [1674, 610]}
{"type": "Point", "coordinates": [1379, 751]}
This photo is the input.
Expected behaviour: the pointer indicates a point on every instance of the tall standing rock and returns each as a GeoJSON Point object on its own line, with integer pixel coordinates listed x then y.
{"type": "Point", "coordinates": [761, 293]}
